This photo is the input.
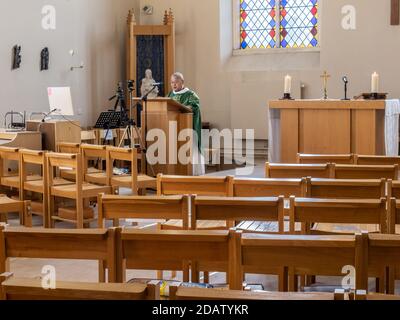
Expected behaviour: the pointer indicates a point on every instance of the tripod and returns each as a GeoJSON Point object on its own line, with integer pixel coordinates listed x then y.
{"type": "Point", "coordinates": [128, 132]}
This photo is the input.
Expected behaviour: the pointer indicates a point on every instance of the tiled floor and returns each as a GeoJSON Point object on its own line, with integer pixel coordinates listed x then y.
{"type": "Point", "coordinates": [86, 271]}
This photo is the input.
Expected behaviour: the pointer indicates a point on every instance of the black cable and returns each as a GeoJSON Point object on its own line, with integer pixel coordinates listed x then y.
{"type": "Point", "coordinates": [70, 121]}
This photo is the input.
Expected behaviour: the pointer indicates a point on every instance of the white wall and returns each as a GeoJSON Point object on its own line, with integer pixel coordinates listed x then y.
{"type": "Point", "coordinates": [95, 29]}
{"type": "Point", "coordinates": [204, 54]}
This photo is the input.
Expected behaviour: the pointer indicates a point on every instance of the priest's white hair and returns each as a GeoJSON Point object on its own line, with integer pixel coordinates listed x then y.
{"type": "Point", "coordinates": [178, 75]}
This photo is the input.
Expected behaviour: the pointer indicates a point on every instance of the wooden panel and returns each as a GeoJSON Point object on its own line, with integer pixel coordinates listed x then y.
{"type": "Point", "coordinates": [363, 132]}
{"type": "Point", "coordinates": [395, 13]}
{"type": "Point", "coordinates": [329, 105]}
{"type": "Point", "coordinates": [289, 135]}
{"type": "Point", "coordinates": [324, 131]}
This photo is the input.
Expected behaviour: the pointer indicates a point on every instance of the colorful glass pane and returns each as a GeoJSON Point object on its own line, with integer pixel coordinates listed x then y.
{"type": "Point", "coordinates": [257, 24]}
{"type": "Point", "coordinates": [299, 23]}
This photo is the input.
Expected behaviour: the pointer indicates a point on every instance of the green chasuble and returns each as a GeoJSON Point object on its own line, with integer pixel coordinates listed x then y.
{"type": "Point", "coordinates": [190, 99]}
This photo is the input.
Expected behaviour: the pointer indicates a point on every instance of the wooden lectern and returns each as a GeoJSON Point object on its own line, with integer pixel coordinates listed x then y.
{"type": "Point", "coordinates": [165, 114]}
{"type": "Point", "coordinates": [329, 127]}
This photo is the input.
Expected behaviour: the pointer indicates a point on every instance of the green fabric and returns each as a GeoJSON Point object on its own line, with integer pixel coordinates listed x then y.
{"type": "Point", "coordinates": [192, 100]}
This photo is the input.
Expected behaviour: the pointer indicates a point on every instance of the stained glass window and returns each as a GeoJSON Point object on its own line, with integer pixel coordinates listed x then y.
{"type": "Point", "coordinates": [278, 23]}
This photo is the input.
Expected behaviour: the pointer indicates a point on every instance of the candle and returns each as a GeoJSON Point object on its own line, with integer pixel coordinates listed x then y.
{"type": "Point", "coordinates": [288, 84]}
{"type": "Point", "coordinates": [375, 83]}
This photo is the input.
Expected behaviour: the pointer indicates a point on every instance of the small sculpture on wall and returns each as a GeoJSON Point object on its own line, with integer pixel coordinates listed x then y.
{"type": "Point", "coordinates": [17, 59]}
{"type": "Point", "coordinates": [44, 59]}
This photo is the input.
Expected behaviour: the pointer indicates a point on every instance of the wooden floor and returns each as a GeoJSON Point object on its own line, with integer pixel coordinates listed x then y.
{"type": "Point", "coordinates": [84, 271]}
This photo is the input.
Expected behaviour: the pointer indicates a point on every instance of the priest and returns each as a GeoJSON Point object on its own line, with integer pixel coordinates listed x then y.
{"type": "Point", "coordinates": [189, 98]}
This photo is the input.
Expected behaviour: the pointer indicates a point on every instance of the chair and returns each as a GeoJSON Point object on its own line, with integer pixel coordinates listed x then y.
{"type": "Point", "coordinates": [376, 160]}
{"type": "Point", "coordinates": [71, 148]}
{"type": "Point", "coordinates": [296, 171]}
{"type": "Point", "coordinates": [238, 209]}
{"type": "Point", "coordinates": [39, 185]}
{"type": "Point", "coordinates": [346, 189]}
{"type": "Point", "coordinates": [298, 255]}
{"type": "Point", "coordinates": [94, 244]}
{"type": "Point", "coordinates": [365, 172]}
{"type": "Point", "coordinates": [118, 207]}
{"type": "Point", "coordinates": [88, 136]}
{"type": "Point", "coordinates": [9, 167]}
{"type": "Point", "coordinates": [338, 211]}
{"type": "Point", "coordinates": [362, 295]}
{"type": "Point", "coordinates": [134, 181]}
{"type": "Point", "coordinates": [92, 174]}
{"type": "Point", "coordinates": [201, 186]}
{"type": "Point", "coordinates": [325, 158]}
{"type": "Point", "coordinates": [77, 191]}
{"type": "Point", "coordinates": [8, 205]}
{"type": "Point", "coordinates": [243, 187]}
{"type": "Point", "coordinates": [394, 216]}
{"type": "Point", "coordinates": [32, 289]}
{"type": "Point", "coordinates": [172, 250]}
{"type": "Point", "coordinates": [199, 294]}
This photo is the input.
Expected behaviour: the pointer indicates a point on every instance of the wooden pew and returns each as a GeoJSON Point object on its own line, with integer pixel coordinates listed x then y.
{"type": "Point", "coordinates": [172, 250]}
{"type": "Point", "coordinates": [362, 295]}
{"type": "Point", "coordinates": [365, 172]}
{"type": "Point", "coordinates": [202, 186]}
{"type": "Point", "coordinates": [299, 255]}
{"type": "Point", "coordinates": [356, 212]}
{"type": "Point", "coordinates": [346, 189]}
{"type": "Point", "coordinates": [31, 289]}
{"type": "Point", "coordinates": [382, 254]}
{"type": "Point", "coordinates": [393, 189]}
{"type": "Point", "coordinates": [199, 294]}
{"type": "Point", "coordinates": [93, 244]}
{"type": "Point", "coordinates": [155, 208]}
{"type": "Point", "coordinates": [325, 158]}
{"type": "Point", "coordinates": [237, 209]}
{"type": "Point", "coordinates": [290, 171]}
{"type": "Point", "coordinates": [376, 160]}
{"type": "Point", "coordinates": [242, 187]}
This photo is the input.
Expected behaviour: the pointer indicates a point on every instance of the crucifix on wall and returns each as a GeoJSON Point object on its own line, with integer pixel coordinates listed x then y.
{"type": "Point", "coordinates": [395, 12]}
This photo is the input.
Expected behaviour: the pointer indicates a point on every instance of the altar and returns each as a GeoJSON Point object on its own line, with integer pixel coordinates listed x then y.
{"type": "Point", "coordinates": [367, 127]}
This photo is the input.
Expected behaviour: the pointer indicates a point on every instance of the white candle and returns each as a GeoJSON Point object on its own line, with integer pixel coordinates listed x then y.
{"type": "Point", "coordinates": [375, 83]}
{"type": "Point", "coordinates": [288, 84]}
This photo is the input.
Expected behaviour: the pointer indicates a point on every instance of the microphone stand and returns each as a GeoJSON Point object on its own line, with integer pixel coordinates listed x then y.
{"type": "Point", "coordinates": [144, 100]}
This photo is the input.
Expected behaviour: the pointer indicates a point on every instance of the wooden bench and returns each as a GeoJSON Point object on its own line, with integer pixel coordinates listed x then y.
{"type": "Point", "coordinates": [298, 255]}
{"type": "Point", "coordinates": [93, 244]}
{"type": "Point", "coordinates": [172, 250]}
{"type": "Point", "coordinates": [202, 186]}
{"type": "Point", "coordinates": [325, 158]}
{"type": "Point", "coordinates": [298, 170]}
{"type": "Point", "coordinates": [31, 289]}
{"type": "Point", "coordinates": [356, 212]}
{"type": "Point", "coordinates": [365, 172]}
{"type": "Point", "coordinates": [199, 294]}
{"type": "Point", "coordinates": [346, 189]}
{"type": "Point", "coordinates": [242, 187]}
{"type": "Point", "coordinates": [237, 209]}
{"type": "Point", "coordinates": [376, 160]}
{"type": "Point", "coordinates": [154, 208]}
{"type": "Point", "coordinates": [382, 258]}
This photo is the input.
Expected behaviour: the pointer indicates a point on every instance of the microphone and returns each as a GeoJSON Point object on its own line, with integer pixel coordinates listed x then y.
{"type": "Point", "coordinates": [157, 84]}
{"type": "Point", "coordinates": [345, 80]}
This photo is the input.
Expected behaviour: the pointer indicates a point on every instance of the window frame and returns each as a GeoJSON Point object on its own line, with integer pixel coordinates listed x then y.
{"type": "Point", "coordinates": [237, 51]}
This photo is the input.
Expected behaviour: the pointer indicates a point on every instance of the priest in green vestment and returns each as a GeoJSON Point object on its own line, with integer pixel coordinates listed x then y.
{"type": "Point", "coordinates": [190, 99]}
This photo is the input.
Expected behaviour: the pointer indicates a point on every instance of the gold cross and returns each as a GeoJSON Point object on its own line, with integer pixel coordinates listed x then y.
{"type": "Point", "coordinates": [325, 76]}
